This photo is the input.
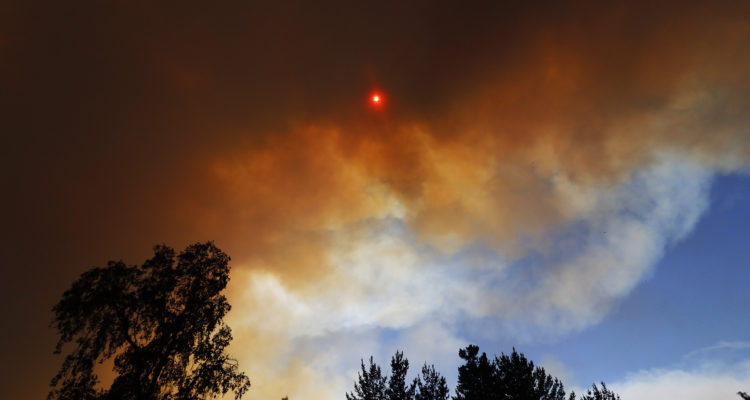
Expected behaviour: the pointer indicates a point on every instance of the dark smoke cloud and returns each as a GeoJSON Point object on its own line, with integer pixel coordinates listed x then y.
{"type": "Point", "coordinates": [126, 124]}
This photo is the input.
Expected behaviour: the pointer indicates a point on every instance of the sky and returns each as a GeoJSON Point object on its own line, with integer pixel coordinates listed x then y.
{"type": "Point", "coordinates": [567, 178]}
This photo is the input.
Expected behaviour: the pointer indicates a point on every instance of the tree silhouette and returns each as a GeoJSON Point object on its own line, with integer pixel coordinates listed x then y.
{"type": "Point", "coordinates": [600, 394]}
{"type": "Point", "coordinates": [397, 387]}
{"type": "Point", "coordinates": [520, 379]}
{"type": "Point", "coordinates": [506, 377]}
{"type": "Point", "coordinates": [370, 385]}
{"type": "Point", "coordinates": [476, 378]}
{"type": "Point", "coordinates": [744, 395]}
{"type": "Point", "coordinates": [161, 323]}
{"type": "Point", "coordinates": [431, 385]}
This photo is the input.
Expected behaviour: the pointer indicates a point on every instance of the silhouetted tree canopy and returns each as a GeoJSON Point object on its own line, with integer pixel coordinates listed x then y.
{"type": "Point", "coordinates": [520, 379]}
{"type": "Point", "coordinates": [600, 394]}
{"type": "Point", "coordinates": [370, 385]}
{"type": "Point", "coordinates": [476, 378]}
{"type": "Point", "coordinates": [431, 385]}
{"type": "Point", "coordinates": [508, 377]}
{"type": "Point", "coordinates": [161, 323]}
{"type": "Point", "coordinates": [397, 386]}
{"type": "Point", "coordinates": [744, 395]}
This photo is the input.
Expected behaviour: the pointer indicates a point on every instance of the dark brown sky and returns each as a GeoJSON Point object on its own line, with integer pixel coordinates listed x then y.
{"type": "Point", "coordinates": [126, 124]}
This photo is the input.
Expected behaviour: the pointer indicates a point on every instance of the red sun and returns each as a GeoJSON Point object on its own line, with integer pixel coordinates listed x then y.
{"type": "Point", "coordinates": [376, 99]}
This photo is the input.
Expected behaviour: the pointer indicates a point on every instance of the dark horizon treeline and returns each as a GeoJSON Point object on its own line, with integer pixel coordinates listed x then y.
{"type": "Point", "coordinates": [162, 326]}
{"type": "Point", "coordinates": [506, 377]}
{"type": "Point", "coordinates": [373, 385]}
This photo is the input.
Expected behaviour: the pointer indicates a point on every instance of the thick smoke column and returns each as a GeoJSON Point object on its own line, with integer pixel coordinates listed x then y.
{"type": "Point", "coordinates": [531, 164]}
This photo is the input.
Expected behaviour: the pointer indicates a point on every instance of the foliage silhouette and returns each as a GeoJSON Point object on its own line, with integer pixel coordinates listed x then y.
{"type": "Point", "coordinates": [161, 323]}
{"type": "Point", "coordinates": [373, 385]}
{"type": "Point", "coordinates": [600, 394]}
{"type": "Point", "coordinates": [476, 378]}
{"type": "Point", "coordinates": [370, 385]}
{"type": "Point", "coordinates": [518, 378]}
{"type": "Point", "coordinates": [397, 386]}
{"type": "Point", "coordinates": [744, 395]}
{"type": "Point", "coordinates": [431, 385]}
{"type": "Point", "coordinates": [508, 377]}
